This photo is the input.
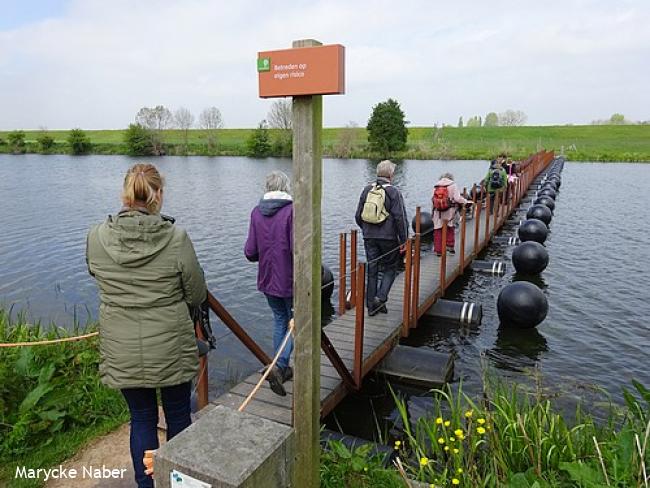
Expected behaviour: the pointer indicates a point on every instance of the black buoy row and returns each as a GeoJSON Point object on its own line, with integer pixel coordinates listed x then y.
{"type": "Point", "coordinates": [522, 304]}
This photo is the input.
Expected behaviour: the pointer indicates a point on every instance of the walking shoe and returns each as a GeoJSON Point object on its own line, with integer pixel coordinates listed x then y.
{"type": "Point", "coordinates": [275, 382]}
{"type": "Point", "coordinates": [451, 250]}
{"type": "Point", "coordinates": [375, 307]}
{"type": "Point", "coordinates": [287, 374]}
{"type": "Point", "coordinates": [439, 254]}
{"type": "Point", "coordinates": [383, 308]}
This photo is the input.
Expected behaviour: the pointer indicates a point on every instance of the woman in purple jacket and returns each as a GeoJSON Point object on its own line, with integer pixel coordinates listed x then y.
{"type": "Point", "coordinates": [270, 242]}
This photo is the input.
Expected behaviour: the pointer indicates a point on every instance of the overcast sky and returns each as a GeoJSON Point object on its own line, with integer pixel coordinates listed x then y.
{"type": "Point", "coordinates": [94, 63]}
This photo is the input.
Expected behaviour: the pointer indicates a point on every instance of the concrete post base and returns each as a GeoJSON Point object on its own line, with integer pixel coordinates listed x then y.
{"type": "Point", "coordinates": [225, 448]}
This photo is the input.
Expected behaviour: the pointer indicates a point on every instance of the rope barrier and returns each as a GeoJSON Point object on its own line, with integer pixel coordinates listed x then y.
{"type": "Point", "coordinates": [51, 341]}
{"type": "Point", "coordinates": [269, 368]}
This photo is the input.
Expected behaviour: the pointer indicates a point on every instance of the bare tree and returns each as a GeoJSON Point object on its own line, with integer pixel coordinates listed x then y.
{"type": "Point", "coordinates": [155, 120]}
{"type": "Point", "coordinates": [210, 120]}
{"type": "Point", "coordinates": [511, 118]}
{"type": "Point", "coordinates": [346, 141]}
{"type": "Point", "coordinates": [279, 116]}
{"type": "Point", "coordinates": [184, 120]}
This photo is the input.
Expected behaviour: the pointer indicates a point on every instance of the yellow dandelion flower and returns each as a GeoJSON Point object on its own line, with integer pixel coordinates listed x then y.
{"type": "Point", "coordinates": [469, 414]}
{"type": "Point", "coordinates": [447, 423]}
{"type": "Point", "coordinates": [480, 430]}
{"type": "Point", "coordinates": [398, 444]}
{"type": "Point", "coordinates": [461, 437]}
{"type": "Point", "coordinates": [452, 439]}
{"type": "Point", "coordinates": [455, 481]}
{"type": "Point", "coordinates": [459, 470]}
{"type": "Point", "coordinates": [458, 432]}
{"type": "Point", "coordinates": [441, 440]}
{"type": "Point", "coordinates": [481, 421]}
{"type": "Point", "coordinates": [439, 420]}
{"type": "Point", "coordinates": [424, 461]}
{"type": "Point", "coordinates": [365, 469]}
{"type": "Point", "coordinates": [456, 451]}
{"type": "Point", "coordinates": [446, 448]}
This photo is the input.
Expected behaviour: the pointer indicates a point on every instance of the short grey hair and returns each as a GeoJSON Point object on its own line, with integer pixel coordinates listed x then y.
{"type": "Point", "coordinates": [386, 169]}
{"type": "Point", "coordinates": [449, 176]}
{"type": "Point", "coordinates": [278, 181]}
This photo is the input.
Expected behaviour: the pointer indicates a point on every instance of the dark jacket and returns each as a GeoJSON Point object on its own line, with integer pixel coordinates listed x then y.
{"type": "Point", "coordinates": [270, 242]}
{"type": "Point", "coordinates": [395, 227]}
{"type": "Point", "coordinates": [147, 273]}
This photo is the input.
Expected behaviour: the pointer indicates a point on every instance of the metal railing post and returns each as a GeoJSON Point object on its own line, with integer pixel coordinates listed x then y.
{"type": "Point", "coordinates": [353, 265]}
{"type": "Point", "coordinates": [443, 259]}
{"type": "Point", "coordinates": [342, 275]}
{"type": "Point", "coordinates": [415, 298]}
{"type": "Point", "coordinates": [406, 306]}
{"type": "Point", "coordinates": [359, 325]}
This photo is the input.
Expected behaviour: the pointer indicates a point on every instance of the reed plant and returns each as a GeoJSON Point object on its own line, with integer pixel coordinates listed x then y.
{"type": "Point", "coordinates": [513, 438]}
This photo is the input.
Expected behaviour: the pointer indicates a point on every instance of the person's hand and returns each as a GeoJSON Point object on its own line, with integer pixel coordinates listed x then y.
{"type": "Point", "coordinates": [402, 248]}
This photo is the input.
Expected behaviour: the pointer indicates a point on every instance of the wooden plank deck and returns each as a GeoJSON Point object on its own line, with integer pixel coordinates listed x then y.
{"type": "Point", "coordinates": [381, 333]}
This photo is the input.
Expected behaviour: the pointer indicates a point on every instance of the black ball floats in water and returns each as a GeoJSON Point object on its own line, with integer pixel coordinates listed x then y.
{"type": "Point", "coordinates": [521, 304]}
{"type": "Point", "coordinates": [540, 212]}
{"type": "Point", "coordinates": [530, 258]}
{"type": "Point", "coordinates": [533, 230]}
{"type": "Point", "coordinates": [548, 191]}
{"type": "Point", "coordinates": [426, 223]}
{"type": "Point", "coordinates": [546, 201]}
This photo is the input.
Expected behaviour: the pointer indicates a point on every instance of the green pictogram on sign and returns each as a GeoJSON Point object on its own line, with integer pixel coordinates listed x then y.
{"type": "Point", "coordinates": [264, 64]}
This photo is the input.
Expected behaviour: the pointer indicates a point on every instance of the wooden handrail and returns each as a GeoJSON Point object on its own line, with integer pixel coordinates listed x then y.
{"type": "Point", "coordinates": [359, 325]}
{"type": "Point", "coordinates": [237, 329]}
{"type": "Point", "coordinates": [342, 267]}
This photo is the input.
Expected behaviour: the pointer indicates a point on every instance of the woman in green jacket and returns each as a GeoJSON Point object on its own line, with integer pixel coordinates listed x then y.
{"type": "Point", "coordinates": [148, 274]}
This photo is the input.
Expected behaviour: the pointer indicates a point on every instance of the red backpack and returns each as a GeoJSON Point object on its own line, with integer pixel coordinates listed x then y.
{"type": "Point", "coordinates": [440, 198]}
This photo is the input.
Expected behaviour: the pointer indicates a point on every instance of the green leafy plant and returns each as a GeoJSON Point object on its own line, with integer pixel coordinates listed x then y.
{"type": "Point", "coordinates": [46, 142]}
{"type": "Point", "coordinates": [138, 140]}
{"type": "Point", "coordinates": [258, 144]}
{"type": "Point", "coordinates": [355, 468]}
{"type": "Point", "coordinates": [16, 141]}
{"type": "Point", "coordinates": [79, 142]}
{"type": "Point", "coordinates": [387, 132]}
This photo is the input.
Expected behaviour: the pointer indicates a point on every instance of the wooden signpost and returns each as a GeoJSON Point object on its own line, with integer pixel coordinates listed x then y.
{"type": "Point", "coordinates": [306, 72]}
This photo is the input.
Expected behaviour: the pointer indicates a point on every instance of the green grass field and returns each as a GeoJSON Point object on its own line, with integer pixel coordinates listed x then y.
{"type": "Point", "coordinates": [579, 143]}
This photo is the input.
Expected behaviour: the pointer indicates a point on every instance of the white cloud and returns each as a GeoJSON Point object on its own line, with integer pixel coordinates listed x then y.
{"type": "Point", "coordinates": [570, 61]}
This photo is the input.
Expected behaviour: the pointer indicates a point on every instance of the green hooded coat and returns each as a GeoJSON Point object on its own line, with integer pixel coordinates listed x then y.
{"type": "Point", "coordinates": [148, 273]}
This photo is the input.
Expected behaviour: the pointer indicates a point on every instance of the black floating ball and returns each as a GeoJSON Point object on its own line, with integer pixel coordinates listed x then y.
{"type": "Point", "coordinates": [550, 185]}
{"type": "Point", "coordinates": [557, 179]}
{"type": "Point", "coordinates": [326, 278]}
{"type": "Point", "coordinates": [522, 305]}
{"type": "Point", "coordinates": [549, 192]}
{"type": "Point", "coordinates": [533, 230]}
{"type": "Point", "coordinates": [530, 258]}
{"type": "Point", "coordinates": [426, 223]}
{"type": "Point", "coordinates": [540, 212]}
{"type": "Point", "coordinates": [547, 201]}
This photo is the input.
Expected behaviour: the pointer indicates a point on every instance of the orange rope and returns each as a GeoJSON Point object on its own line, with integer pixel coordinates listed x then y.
{"type": "Point", "coordinates": [52, 341]}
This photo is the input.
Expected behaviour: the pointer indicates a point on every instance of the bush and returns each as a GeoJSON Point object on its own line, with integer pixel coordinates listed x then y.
{"type": "Point", "coordinates": [258, 145]}
{"type": "Point", "coordinates": [387, 130]}
{"type": "Point", "coordinates": [79, 142]}
{"type": "Point", "coordinates": [49, 390]}
{"type": "Point", "coordinates": [46, 142]}
{"type": "Point", "coordinates": [355, 468]}
{"type": "Point", "coordinates": [138, 140]}
{"type": "Point", "coordinates": [17, 141]}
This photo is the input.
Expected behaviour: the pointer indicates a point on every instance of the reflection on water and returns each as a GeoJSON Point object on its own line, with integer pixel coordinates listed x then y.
{"type": "Point", "coordinates": [597, 282]}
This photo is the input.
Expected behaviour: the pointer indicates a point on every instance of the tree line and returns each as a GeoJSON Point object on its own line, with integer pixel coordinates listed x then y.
{"type": "Point", "coordinates": [508, 118]}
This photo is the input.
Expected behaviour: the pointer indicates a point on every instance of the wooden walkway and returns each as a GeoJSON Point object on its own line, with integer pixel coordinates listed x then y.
{"type": "Point", "coordinates": [381, 332]}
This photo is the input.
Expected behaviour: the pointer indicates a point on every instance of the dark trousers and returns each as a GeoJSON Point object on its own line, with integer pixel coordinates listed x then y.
{"type": "Point", "coordinates": [382, 256]}
{"type": "Point", "coordinates": [282, 309]}
{"type": "Point", "coordinates": [144, 421]}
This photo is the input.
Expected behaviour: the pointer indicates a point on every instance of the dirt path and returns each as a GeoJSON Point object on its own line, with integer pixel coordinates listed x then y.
{"type": "Point", "coordinates": [111, 451]}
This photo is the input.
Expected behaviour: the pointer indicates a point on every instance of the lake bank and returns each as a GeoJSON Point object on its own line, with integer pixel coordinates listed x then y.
{"type": "Point", "coordinates": [579, 143]}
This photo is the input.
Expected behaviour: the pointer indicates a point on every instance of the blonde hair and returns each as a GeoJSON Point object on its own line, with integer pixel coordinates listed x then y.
{"type": "Point", "coordinates": [142, 184]}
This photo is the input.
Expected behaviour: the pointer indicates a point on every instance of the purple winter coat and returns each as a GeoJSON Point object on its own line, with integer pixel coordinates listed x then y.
{"type": "Point", "coordinates": [270, 241]}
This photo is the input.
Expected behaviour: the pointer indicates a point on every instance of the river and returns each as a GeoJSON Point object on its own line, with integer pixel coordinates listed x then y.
{"type": "Point", "coordinates": [597, 282]}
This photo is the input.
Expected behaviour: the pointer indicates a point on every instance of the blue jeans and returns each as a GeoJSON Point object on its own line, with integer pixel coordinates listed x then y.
{"type": "Point", "coordinates": [282, 309]}
{"type": "Point", "coordinates": [383, 257]}
{"type": "Point", "coordinates": [144, 421]}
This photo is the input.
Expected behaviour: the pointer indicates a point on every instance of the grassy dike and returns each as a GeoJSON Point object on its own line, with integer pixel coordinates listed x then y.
{"type": "Point", "coordinates": [580, 143]}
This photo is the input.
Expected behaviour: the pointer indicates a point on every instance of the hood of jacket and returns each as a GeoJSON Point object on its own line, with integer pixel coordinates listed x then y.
{"type": "Point", "coordinates": [273, 201]}
{"type": "Point", "coordinates": [133, 238]}
{"type": "Point", "coordinates": [444, 182]}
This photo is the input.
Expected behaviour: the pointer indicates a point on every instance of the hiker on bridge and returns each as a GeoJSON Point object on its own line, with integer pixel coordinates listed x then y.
{"type": "Point", "coordinates": [270, 243]}
{"type": "Point", "coordinates": [381, 214]}
{"type": "Point", "coordinates": [148, 274]}
{"type": "Point", "coordinates": [446, 199]}
{"type": "Point", "coordinates": [496, 180]}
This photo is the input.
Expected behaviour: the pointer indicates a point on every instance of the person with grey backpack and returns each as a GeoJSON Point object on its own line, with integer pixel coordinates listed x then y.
{"type": "Point", "coordinates": [381, 215]}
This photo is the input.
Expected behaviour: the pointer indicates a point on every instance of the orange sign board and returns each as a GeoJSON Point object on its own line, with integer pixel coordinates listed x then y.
{"type": "Point", "coordinates": [318, 70]}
